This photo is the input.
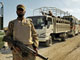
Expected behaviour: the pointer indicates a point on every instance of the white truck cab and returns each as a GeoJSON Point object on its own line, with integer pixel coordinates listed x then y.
{"type": "Point", "coordinates": [44, 27]}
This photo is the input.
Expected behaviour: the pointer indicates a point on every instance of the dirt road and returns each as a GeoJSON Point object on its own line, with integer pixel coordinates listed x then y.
{"type": "Point", "coordinates": [67, 50]}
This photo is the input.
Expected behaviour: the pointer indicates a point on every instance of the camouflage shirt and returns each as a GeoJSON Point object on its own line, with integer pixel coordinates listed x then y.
{"type": "Point", "coordinates": [23, 31]}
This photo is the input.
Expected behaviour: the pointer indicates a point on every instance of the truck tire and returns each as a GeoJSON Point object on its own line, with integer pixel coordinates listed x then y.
{"type": "Point", "coordinates": [63, 39]}
{"type": "Point", "coordinates": [73, 33]}
{"type": "Point", "coordinates": [48, 42]}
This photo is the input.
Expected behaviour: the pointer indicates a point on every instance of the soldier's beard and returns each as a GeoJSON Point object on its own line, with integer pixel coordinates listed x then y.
{"type": "Point", "coordinates": [20, 15]}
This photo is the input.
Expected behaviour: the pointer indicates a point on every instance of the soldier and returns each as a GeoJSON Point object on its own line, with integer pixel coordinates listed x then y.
{"type": "Point", "coordinates": [22, 29]}
{"type": "Point", "coordinates": [49, 13]}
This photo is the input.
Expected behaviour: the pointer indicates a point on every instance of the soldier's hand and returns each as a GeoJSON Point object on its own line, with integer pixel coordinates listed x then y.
{"type": "Point", "coordinates": [18, 49]}
{"type": "Point", "coordinates": [36, 51]}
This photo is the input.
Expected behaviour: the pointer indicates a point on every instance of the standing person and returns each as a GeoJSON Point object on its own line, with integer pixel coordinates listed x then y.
{"type": "Point", "coordinates": [50, 14]}
{"type": "Point", "coordinates": [22, 29]}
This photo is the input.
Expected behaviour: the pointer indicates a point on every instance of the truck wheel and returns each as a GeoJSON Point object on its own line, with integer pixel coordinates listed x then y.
{"type": "Point", "coordinates": [49, 42]}
{"type": "Point", "coordinates": [63, 39]}
{"type": "Point", "coordinates": [73, 33]}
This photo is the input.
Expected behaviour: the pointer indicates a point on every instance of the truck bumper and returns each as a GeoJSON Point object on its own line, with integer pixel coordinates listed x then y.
{"type": "Point", "coordinates": [43, 39]}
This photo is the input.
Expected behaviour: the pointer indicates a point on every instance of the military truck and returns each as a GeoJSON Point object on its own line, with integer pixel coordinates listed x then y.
{"type": "Point", "coordinates": [50, 27]}
{"type": "Point", "coordinates": [74, 25]}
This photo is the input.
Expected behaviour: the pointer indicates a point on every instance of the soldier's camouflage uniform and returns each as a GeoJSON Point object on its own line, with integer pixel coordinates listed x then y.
{"type": "Point", "coordinates": [23, 31]}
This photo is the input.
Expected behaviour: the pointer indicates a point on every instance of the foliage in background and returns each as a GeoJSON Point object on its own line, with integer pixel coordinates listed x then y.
{"type": "Point", "coordinates": [1, 36]}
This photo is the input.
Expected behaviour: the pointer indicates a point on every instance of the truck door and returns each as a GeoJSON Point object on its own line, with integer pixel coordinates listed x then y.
{"type": "Point", "coordinates": [50, 25]}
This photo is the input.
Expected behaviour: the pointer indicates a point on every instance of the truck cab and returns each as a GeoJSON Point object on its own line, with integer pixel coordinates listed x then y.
{"type": "Point", "coordinates": [44, 27]}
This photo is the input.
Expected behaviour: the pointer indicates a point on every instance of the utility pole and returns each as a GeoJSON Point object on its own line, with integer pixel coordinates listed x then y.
{"type": "Point", "coordinates": [1, 17]}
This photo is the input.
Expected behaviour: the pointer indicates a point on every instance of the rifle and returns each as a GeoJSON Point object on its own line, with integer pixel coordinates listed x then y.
{"type": "Point", "coordinates": [24, 49]}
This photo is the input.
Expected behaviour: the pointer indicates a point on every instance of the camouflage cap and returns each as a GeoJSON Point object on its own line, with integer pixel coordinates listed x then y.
{"type": "Point", "coordinates": [21, 6]}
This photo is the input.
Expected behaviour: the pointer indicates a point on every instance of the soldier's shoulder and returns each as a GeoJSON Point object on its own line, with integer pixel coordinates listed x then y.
{"type": "Point", "coordinates": [12, 21]}
{"type": "Point", "coordinates": [29, 19]}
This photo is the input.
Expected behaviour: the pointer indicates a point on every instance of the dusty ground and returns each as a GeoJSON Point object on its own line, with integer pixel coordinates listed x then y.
{"type": "Point", "coordinates": [67, 50]}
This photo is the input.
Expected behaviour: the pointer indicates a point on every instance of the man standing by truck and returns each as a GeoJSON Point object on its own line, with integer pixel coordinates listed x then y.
{"type": "Point", "coordinates": [23, 30]}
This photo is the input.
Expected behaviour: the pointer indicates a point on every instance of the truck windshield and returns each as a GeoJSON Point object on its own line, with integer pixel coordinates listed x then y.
{"type": "Point", "coordinates": [38, 22]}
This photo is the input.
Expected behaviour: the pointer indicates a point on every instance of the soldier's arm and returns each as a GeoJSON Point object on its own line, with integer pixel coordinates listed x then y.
{"type": "Point", "coordinates": [34, 36]}
{"type": "Point", "coordinates": [9, 32]}
{"type": "Point", "coordinates": [10, 29]}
